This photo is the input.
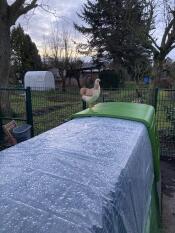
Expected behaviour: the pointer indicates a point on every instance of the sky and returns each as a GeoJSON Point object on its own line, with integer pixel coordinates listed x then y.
{"type": "Point", "coordinates": [38, 22]}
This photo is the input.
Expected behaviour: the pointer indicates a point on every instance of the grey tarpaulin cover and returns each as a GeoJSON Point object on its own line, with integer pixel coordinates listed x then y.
{"type": "Point", "coordinates": [87, 175]}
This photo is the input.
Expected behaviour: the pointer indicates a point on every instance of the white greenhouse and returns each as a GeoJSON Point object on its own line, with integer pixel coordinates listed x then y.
{"type": "Point", "coordinates": [39, 80]}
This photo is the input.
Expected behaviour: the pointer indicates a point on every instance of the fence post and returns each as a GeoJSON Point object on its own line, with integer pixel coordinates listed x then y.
{"type": "Point", "coordinates": [29, 113]}
{"type": "Point", "coordinates": [156, 92]}
{"type": "Point", "coordinates": [84, 104]}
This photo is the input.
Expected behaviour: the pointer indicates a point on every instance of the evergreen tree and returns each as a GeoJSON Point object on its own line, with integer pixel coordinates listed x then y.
{"type": "Point", "coordinates": [24, 53]}
{"type": "Point", "coordinates": [117, 29]}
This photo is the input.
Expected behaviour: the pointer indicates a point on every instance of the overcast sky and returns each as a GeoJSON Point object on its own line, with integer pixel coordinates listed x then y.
{"type": "Point", "coordinates": [38, 22]}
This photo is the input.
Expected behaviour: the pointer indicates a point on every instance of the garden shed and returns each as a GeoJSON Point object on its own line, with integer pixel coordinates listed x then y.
{"type": "Point", "coordinates": [39, 80]}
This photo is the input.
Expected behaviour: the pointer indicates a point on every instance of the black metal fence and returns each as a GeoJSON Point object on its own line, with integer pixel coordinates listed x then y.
{"type": "Point", "coordinates": [165, 117]}
{"type": "Point", "coordinates": [52, 108]}
{"type": "Point", "coordinates": [48, 109]}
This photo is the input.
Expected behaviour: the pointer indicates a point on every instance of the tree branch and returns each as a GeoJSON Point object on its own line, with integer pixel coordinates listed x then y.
{"type": "Point", "coordinates": [17, 4]}
{"type": "Point", "coordinates": [172, 47]}
{"type": "Point", "coordinates": [151, 14]}
{"type": "Point", "coordinates": [167, 30]}
{"type": "Point", "coordinates": [18, 8]}
{"type": "Point", "coordinates": [154, 42]}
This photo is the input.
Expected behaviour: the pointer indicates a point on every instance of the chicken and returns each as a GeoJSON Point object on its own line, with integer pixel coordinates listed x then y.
{"type": "Point", "coordinates": [91, 95]}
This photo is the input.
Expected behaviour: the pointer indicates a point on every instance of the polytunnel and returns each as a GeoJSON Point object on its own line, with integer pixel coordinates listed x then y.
{"type": "Point", "coordinates": [97, 173]}
{"type": "Point", "coordinates": [39, 80]}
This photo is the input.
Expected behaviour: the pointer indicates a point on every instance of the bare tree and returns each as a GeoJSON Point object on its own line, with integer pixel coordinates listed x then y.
{"type": "Point", "coordinates": [167, 43]}
{"type": "Point", "coordinates": [45, 52]}
{"type": "Point", "coordinates": [63, 52]}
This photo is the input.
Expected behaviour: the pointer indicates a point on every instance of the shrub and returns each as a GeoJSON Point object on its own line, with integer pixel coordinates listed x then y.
{"type": "Point", "coordinates": [109, 79]}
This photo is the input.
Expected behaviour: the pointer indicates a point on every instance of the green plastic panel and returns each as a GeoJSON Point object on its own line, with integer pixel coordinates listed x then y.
{"type": "Point", "coordinates": [153, 221]}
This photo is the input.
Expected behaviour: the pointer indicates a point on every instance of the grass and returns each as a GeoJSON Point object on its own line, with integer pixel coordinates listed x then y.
{"type": "Point", "coordinates": [54, 118]}
{"type": "Point", "coordinates": [53, 108]}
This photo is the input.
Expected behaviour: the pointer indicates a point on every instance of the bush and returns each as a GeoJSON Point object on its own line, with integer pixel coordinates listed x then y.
{"type": "Point", "coordinates": [109, 79]}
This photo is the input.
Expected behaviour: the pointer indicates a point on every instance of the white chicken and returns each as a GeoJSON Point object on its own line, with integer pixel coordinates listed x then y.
{"type": "Point", "coordinates": [92, 94]}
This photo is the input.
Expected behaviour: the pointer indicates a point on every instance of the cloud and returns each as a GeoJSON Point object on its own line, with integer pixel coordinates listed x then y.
{"type": "Point", "coordinates": [38, 22]}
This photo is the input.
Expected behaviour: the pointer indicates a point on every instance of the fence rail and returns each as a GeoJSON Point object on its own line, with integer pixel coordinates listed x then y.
{"type": "Point", "coordinates": [47, 109]}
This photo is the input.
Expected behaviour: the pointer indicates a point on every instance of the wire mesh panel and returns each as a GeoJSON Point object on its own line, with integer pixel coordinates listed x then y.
{"type": "Point", "coordinates": [51, 108]}
{"type": "Point", "coordinates": [14, 104]}
{"type": "Point", "coordinates": [164, 103]}
{"type": "Point", "coordinates": [146, 96]}
{"type": "Point", "coordinates": [166, 122]}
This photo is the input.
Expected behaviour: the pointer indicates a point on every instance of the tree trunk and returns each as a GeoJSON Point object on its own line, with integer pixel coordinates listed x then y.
{"type": "Point", "coordinates": [78, 79]}
{"type": "Point", "coordinates": [158, 69]}
{"type": "Point", "coordinates": [64, 84]}
{"type": "Point", "coordinates": [4, 63]}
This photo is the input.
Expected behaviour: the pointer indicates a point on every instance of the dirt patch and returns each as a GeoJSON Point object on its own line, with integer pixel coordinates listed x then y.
{"type": "Point", "coordinates": [56, 98]}
{"type": "Point", "coordinates": [168, 195]}
{"type": "Point", "coordinates": [45, 110]}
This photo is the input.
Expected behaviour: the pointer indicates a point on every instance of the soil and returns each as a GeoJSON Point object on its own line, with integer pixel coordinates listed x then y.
{"type": "Point", "coordinates": [57, 98]}
{"type": "Point", "coordinates": [46, 110]}
{"type": "Point", "coordinates": [168, 196]}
